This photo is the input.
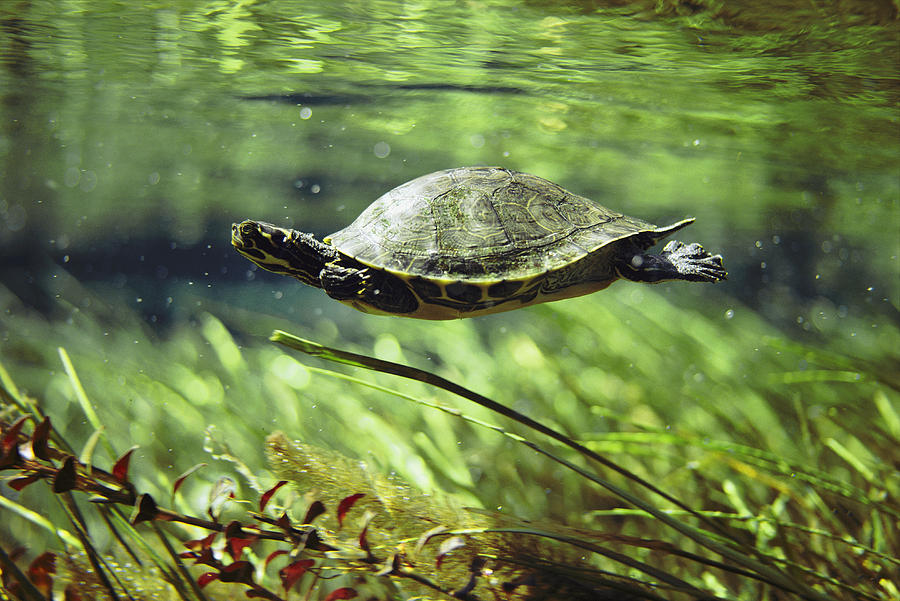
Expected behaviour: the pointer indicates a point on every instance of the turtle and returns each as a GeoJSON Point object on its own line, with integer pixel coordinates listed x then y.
{"type": "Point", "coordinates": [472, 241]}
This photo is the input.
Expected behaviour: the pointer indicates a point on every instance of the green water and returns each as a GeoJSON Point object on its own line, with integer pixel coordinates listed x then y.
{"type": "Point", "coordinates": [136, 135]}
{"type": "Point", "coordinates": [133, 135]}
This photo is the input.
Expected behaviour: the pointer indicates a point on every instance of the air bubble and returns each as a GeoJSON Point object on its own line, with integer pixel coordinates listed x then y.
{"type": "Point", "coordinates": [382, 150]}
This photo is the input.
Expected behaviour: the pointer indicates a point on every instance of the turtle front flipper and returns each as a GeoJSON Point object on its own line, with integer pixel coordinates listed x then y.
{"type": "Point", "coordinates": [677, 261]}
{"type": "Point", "coordinates": [369, 290]}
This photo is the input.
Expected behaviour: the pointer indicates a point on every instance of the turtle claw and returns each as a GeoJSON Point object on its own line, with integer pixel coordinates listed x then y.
{"type": "Point", "coordinates": [693, 263]}
{"type": "Point", "coordinates": [343, 283]}
{"type": "Point", "coordinates": [371, 288]}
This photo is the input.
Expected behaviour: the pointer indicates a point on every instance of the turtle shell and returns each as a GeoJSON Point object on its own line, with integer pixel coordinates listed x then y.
{"type": "Point", "coordinates": [482, 224]}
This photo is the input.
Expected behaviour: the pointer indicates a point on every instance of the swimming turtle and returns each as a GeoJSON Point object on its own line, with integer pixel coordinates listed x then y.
{"type": "Point", "coordinates": [472, 241]}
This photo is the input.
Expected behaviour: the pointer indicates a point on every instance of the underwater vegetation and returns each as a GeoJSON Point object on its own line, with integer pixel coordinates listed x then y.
{"type": "Point", "coordinates": [681, 469]}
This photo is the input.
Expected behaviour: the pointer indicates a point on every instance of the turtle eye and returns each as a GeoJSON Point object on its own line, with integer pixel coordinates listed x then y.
{"type": "Point", "coordinates": [247, 228]}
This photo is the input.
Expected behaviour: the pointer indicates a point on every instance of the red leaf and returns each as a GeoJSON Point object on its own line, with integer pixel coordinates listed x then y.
{"type": "Point", "coordinates": [239, 571]}
{"type": "Point", "coordinates": [273, 555]}
{"type": "Point", "coordinates": [363, 541]}
{"type": "Point", "coordinates": [145, 509]}
{"type": "Point", "coordinates": [206, 578]}
{"type": "Point", "coordinates": [316, 509]}
{"type": "Point", "coordinates": [234, 529]}
{"type": "Point", "coordinates": [314, 542]}
{"type": "Point", "coordinates": [184, 476]}
{"type": "Point", "coordinates": [66, 478]}
{"type": "Point", "coordinates": [207, 558]}
{"type": "Point", "coordinates": [11, 438]}
{"type": "Point", "coordinates": [10, 457]}
{"type": "Point", "coordinates": [341, 593]}
{"type": "Point", "coordinates": [40, 572]}
{"type": "Point", "coordinates": [39, 439]}
{"type": "Point", "coordinates": [291, 574]}
{"type": "Point", "coordinates": [345, 505]}
{"type": "Point", "coordinates": [264, 499]}
{"type": "Point", "coordinates": [120, 469]}
{"type": "Point", "coordinates": [237, 545]}
{"type": "Point", "coordinates": [20, 483]}
{"type": "Point", "coordinates": [284, 522]}
{"type": "Point", "coordinates": [201, 543]}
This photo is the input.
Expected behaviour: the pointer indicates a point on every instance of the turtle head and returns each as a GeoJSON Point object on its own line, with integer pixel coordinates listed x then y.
{"type": "Point", "coordinates": [259, 241]}
{"type": "Point", "coordinates": [283, 251]}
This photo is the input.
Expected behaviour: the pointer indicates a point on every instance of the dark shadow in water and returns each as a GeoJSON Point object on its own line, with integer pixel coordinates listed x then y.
{"type": "Point", "coordinates": [311, 99]}
{"type": "Point", "coordinates": [379, 93]}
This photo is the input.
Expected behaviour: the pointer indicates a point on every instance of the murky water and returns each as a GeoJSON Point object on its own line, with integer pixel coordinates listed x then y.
{"type": "Point", "coordinates": [132, 136]}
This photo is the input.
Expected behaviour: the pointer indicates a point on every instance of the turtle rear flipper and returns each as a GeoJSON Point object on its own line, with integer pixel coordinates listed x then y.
{"type": "Point", "coordinates": [677, 261]}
